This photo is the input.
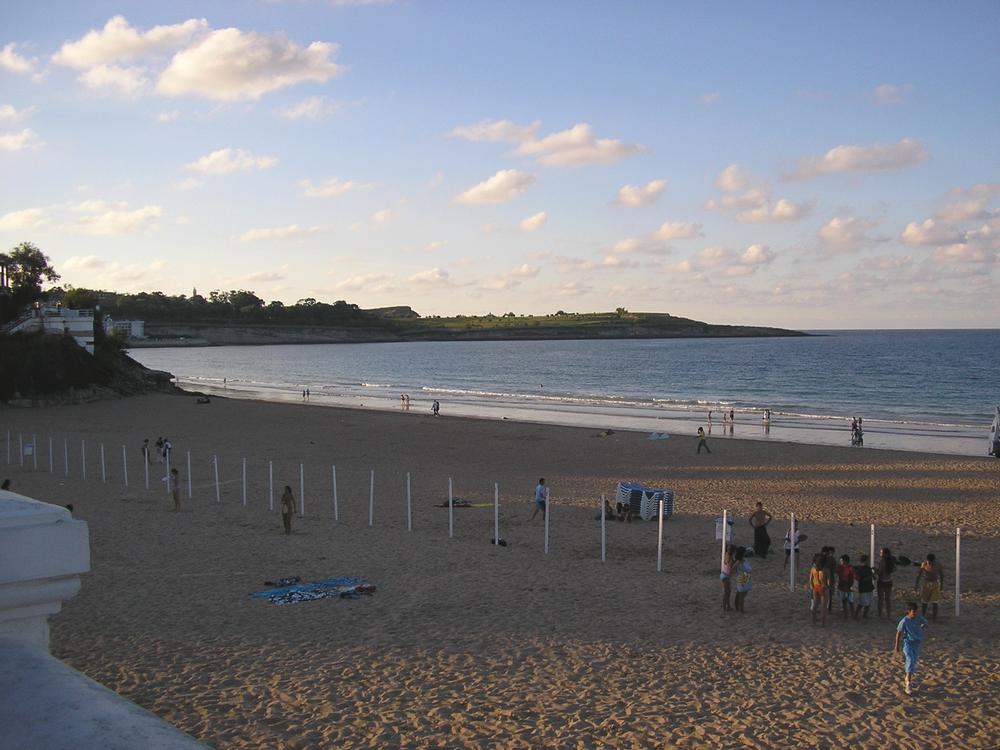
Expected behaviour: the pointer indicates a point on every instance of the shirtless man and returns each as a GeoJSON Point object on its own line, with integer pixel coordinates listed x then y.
{"type": "Point", "coordinates": [761, 539]}
{"type": "Point", "coordinates": [932, 575]}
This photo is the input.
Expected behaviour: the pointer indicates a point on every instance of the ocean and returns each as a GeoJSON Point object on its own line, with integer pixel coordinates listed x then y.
{"type": "Point", "coordinates": [915, 390]}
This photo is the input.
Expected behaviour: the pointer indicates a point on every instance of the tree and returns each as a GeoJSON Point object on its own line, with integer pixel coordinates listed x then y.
{"type": "Point", "coordinates": [26, 267]}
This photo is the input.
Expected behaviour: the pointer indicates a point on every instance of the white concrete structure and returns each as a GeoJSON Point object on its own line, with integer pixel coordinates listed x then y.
{"type": "Point", "coordinates": [129, 329]}
{"type": "Point", "coordinates": [58, 320]}
{"type": "Point", "coordinates": [44, 704]}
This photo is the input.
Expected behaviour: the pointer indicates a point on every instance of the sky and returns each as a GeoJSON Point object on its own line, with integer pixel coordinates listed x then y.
{"type": "Point", "coordinates": [788, 164]}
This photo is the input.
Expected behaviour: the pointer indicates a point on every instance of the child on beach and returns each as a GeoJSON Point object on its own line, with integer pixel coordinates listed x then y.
{"type": "Point", "coordinates": [866, 584]}
{"type": "Point", "coordinates": [818, 585]}
{"type": "Point", "coordinates": [909, 636]}
{"type": "Point", "coordinates": [845, 584]}
{"type": "Point", "coordinates": [743, 583]}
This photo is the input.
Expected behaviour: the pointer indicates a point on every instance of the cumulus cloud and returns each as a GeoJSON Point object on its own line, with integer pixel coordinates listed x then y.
{"type": "Point", "coordinates": [312, 108]}
{"type": "Point", "coordinates": [504, 186]}
{"type": "Point", "coordinates": [496, 131]}
{"type": "Point", "coordinates": [626, 246]}
{"type": "Point", "coordinates": [431, 277]}
{"type": "Point", "coordinates": [756, 255]}
{"type": "Point", "coordinates": [635, 196]}
{"type": "Point", "coordinates": [230, 65]}
{"type": "Point", "coordinates": [577, 147]}
{"type": "Point", "coordinates": [118, 40]}
{"type": "Point", "coordinates": [888, 93]}
{"type": "Point", "coordinates": [382, 216]}
{"type": "Point", "coordinates": [535, 222]}
{"type": "Point", "coordinates": [575, 288]}
{"type": "Point", "coordinates": [753, 204]}
{"type": "Point", "coordinates": [21, 141]}
{"type": "Point", "coordinates": [279, 233]}
{"type": "Point", "coordinates": [845, 233]}
{"type": "Point", "coordinates": [855, 158]}
{"type": "Point", "coordinates": [511, 279]}
{"type": "Point", "coordinates": [86, 262]}
{"type": "Point", "coordinates": [727, 262]}
{"type": "Point", "coordinates": [970, 204]}
{"type": "Point", "coordinates": [26, 218]}
{"type": "Point", "coordinates": [677, 230]}
{"type": "Point", "coordinates": [369, 282]}
{"type": "Point", "coordinates": [732, 179]}
{"type": "Point", "coordinates": [119, 222]}
{"type": "Point", "coordinates": [96, 205]}
{"type": "Point", "coordinates": [115, 79]}
{"type": "Point", "coordinates": [10, 113]}
{"type": "Point", "coordinates": [780, 212]}
{"type": "Point", "coordinates": [931, 232]}
{"type": "Point", "coordinates": [14, 62]}
{"type": "Point", "coordinates": [333, 187]}
{"type": "Point", "coordinates": [228, 160]}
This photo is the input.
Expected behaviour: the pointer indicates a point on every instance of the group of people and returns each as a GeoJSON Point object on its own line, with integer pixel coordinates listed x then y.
{"type": "Point", "coordinates": [164, 448]}
{"type": "Point", "coordinates": [404, 401]}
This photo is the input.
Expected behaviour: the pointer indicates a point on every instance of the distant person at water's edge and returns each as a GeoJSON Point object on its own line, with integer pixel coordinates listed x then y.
{"type": "Point", "coordinates": [541, 499]}
{"type": "Point", "coordinates": [435, 407]}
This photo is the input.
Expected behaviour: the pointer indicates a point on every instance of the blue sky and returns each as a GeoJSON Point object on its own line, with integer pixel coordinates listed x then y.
{"type": "Point", "coordinates": [775, 163]}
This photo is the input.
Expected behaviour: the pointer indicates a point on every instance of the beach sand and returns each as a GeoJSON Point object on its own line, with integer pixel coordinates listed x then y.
{"type": "Point", "coordinates": [465, 644]}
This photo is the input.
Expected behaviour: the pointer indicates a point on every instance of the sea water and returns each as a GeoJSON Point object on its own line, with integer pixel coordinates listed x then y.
{"type": "Point", "coordinates": [915, 390]}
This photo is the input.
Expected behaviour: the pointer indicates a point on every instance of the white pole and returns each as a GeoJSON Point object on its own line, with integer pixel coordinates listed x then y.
{"type": "Point", "coordinates": [958, 571]}
{"type": "Point", "coordinates": [66, 456]}
{"type": "Point", "coordinates": [170, 479]}
{"type": "Point", "coordinates": [244, 481]}
{"type": "Point", "coordinates": [34, 451]}
{"type": "Point", "coordinates": [189, 474]}
{"type": "Point", "coordinates": [659, 539]}
{"type": "Point", "coordinates": [215, 464]}
{"type": "Point", "coordinates": [725, 528]}
{"type": "Point", "coordinates": [145, 465]}
{"type": "Point", "coordinates": [336, 510]}
{"type": "Point", "coordinates": [83, 458]}
{"type": "Point", "coordinates": [104, 474]}
{"type": "Point", "coordinates": [548, 502]}
{"type": "Point", "coordinates": [125, 465]}
{"type": "Point", "coordinates": [270, 485]}
{"type": "Point", "coordinates": [451, 520]}
{"type": "Point", "coordinates": [52, 465]}
{"type": "Point", "coordinates": [791, 568]}
{"type": "Point", "coordinates": [409, 505]}
{"type": "Point", "coordinates": [496, 513]}
{"type": "Point", "coordinates": [302, 490]}
{"type": "Point", "coordinates": [371, 499]}
{"type": "Point", "coordinates": [603, 537]}
{"type": "Point", "coordinates": [871, 547]}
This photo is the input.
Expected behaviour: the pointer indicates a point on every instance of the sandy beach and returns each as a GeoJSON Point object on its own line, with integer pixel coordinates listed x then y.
{"type": "Point", "coordinates": [465, 644]}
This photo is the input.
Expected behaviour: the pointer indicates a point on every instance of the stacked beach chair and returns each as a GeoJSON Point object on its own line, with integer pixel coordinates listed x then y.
{"type": "Point", "coordinates": [645, 501]}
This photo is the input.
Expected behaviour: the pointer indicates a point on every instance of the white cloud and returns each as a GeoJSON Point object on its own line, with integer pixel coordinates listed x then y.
{"type": "Point", "coordinates": [333, 187]}
{"type": "Point", "coordinates": [189, 183]}
{"type": "Point", "coordinates": [12, 61]}
{"type": "Point", "coordinates": [9, 113]}
{"type": "Point", "coordinates": [732, 179]}
{"type": "Point", "coordinates": [26, 218]}
{"type": "Point", "coordinates": [575, 288]}
{"type": "Point", "coordinates": [119, 222]}
{"type": "Point", "coordinates": [931, 232]}
{"type": "Point", "coordinates": [854, 158]}
{"type": "Point", "coordinates": [19, 141]}
{"type": "Point", "coordinates": [535, 222]}
{"type": "Point", "coordinates": [757, 255]}
{"type": "Point", "coordinates": [888, 93]}
{"type": "Point", "coordinates": [229, 65]}
{"type": "Point", "coordinates": [845, 233]}
{"type": "Point", "coordinates": [228, 160]}
{"type": "Point", "coordinates": [115, 79]}
{"type": "Point", "coordinates": [511, 279]}
{"type": "Point", "coordinates": [370, 282]}
{"type": "Point", "coordinates": [95, 205]}
{"type": "Point", "coordinates": [431, 277]}
{"type": "Point", "coordinates": [494, 131]}
{"type": "Point", "coordinates": [118, 40]}
{"type": "Point", "coordinates": [382, 216]}
{"type": "Point", "coordinates": [264, 276]}
{"type": "Point", "coordinates": [970, 204]}
{"type": "Point", "coordinates": [577, 147]}
{"type": "Point", "coordinates": [502, 187]}
{"type": "Point", "coordinates": [626, 246]}
{"type": "Point", "coordinates": [168, 116]}
{"type": "Point", "coordinates": [436, 245]}
{"type": "Point", "coordinates": [778, 213]}
{"type": "Point", "coordinates": [678, 230]}
{"type": "Point", "coordinates": [635, 196]}
{"type": "Point", "coordinates": [87, 262]}
{"type": "Point", "coordinates": [183, 220]}
{"type": "Point", "coordinates": [279, 233]}
{"type": "Point", "coordinates": [313, 108]}
{"type": "Point", "coordinates": [710, 97]}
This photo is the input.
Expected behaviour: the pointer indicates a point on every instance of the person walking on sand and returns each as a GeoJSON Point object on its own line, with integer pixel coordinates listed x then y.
{"type": "Point", "coordinates": [884, 569]}
{"type": "Point", "coordinates": [743, 583]}
{"type": "Point", "coordinates": [759, 520]}
{"type": "Point", "coordinates": [909, 638]}
{"type": "Point", "coordinates": [726, 575]}
{"type": "Point", "coordinates": [159, 450]}
{"type": "Point", "coordinates": [818, 585]}
{"type": "Point", "coordinates": [435, 407]}
{"type": "Point", "coordinates": [541, 499]}
{"type": "Point", "coordinates": [932, 575]}
{"type": "Point", "coordinates": [702, 443]}
{"type": "Point", "coordinates": [175, 489]}
{"type": "Point", "coordinates": [287, 508]}
{"type": "Point", "coordinates": [145, 450]}
{"type": "Point", "coordinates": [167, 449]}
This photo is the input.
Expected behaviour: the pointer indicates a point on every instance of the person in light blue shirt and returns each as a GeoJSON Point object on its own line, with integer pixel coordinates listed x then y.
{"type": "Point", "coordinates": [909, 636]}
{"type": "Point", "coordinates": [541, 499]}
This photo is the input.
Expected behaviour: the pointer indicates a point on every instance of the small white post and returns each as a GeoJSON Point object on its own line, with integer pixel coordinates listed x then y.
{"type": "Point", "coordinates": [34, 451]}
{"type": "Point", "coordinates": [791, 568]}
{"type": "Point", "coordinates": [336, 510]}
{"type": "Point", "coordinates": [190, 495]}
{"type": "Point", "coordinates": [871, 547]}
{"type": "Point", "coordinates": [958, 571]}
{"type": "Point", "coordinates": [302, 490]}
{"type": "Point", "coordinates": [83, 458]}
{"type": "Point", "coordinates": [215, 464]}
{"type": "Point", "coordinates": [548, 503]}
{"type": "Point", "coordinates": [66, 456]}
{"type": "Point", "coordinates": [371, 499]}
{"type": "Point", "coordinates": [725, 528]}
{"type": "Point", "coordinates": [603, 532]}
{"type": "Point", "coordinates": [170, 479]}
{"type": "Point", "coordinates": [451, 520]}
{"type": "Point", "coordinates": [20, 446]}
{"type": "Point", "coordinates": [145, 465]}
{"type": "Point", "coordinates": [244, 481]}
{"type": "Point", "coordinates": [409, 505]}
{"type": "Point", "coordinates": [270, 486]}
{"type": "Point", "coordinates": [104, 474]}
{"type": "Point", "coordinates": [52, 465]}
{"type": "Point", "coordinates": [496, 513]}
{"type": "Point", "coordinates": [125, 465]}
{"type": "Point", "coordinates": [659, 539]}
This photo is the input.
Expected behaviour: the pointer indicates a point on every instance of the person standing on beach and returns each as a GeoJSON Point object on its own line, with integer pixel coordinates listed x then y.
{"type": "Point", "coordinates": [287, 508]}
{"type": "Point", "coordinates": [743, 583]}
{"type": "Point", "coordinates": [884, 569]}
{"type": "Point", "coordinates": [759, 519]}
{"type": "Point", "coordinates": [789, 547]}
{"type": "Point", "coordinates": [845, 584]}
{"type": "Point", "coordinates": [541, 499]}
{"type": "Point", "coordinates": [932, 575]}
{"type": "Point", "coordinates": [866, 584]}
{"type": "Point", "coordinates": [702, 443]}
{"type": "Point", "coordinates": [145, 450]}
{"type": "Point", "coordinates": [909, 637]}
{"type": "Point", "coordinates": [435, 407]}
{"type": "Point", "coordinates": [175, 489]}
{"type": "Point", "coordinates": [818, 585]}
{"type": "Point", "coordinates": [167, 449]}
{"type": "Point", "coordinates": [159, 450]}
{"type": "Point", "coordinates": [726, 576]}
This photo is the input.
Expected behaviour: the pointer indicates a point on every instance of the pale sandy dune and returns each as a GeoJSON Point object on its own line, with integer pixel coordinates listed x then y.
{"type": "Point", "coordinates": [469, 645]}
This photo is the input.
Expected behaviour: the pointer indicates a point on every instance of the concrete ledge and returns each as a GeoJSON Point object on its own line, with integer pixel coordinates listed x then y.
{"type": "Point", "coordinates": [46, 705]}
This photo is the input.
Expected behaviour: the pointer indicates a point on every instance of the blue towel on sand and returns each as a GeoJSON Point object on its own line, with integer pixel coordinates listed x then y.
{"type": "Point", "coordinates": [304, 592]}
